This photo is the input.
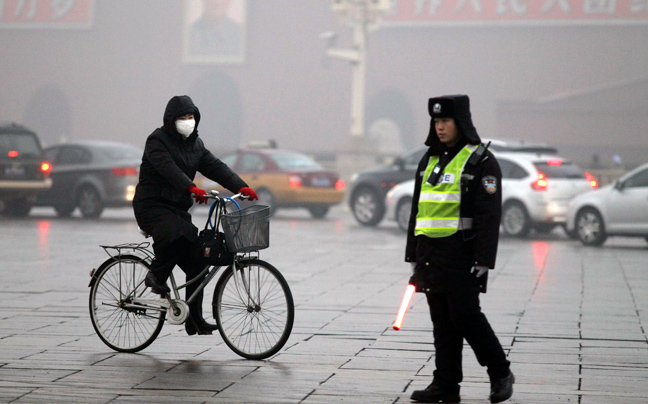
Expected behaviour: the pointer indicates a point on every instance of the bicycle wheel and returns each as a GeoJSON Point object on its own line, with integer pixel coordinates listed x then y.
{"type": "Point", "coordinates": [118, 323]}
{"type": "Point", "coordinates": [256, 316]}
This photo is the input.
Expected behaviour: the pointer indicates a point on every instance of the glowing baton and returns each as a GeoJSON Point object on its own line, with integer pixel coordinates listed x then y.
{"type": "Point", "coordinates": [409, 292]}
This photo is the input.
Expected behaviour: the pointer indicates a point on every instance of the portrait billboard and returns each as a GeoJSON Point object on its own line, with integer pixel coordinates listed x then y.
{"type": "Point", "coordinates": [215, 31]}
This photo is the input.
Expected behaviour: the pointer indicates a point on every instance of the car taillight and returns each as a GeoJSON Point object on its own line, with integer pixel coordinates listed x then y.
{"type": "Point", "coordinates": [592, 181]}
{"type": "Point", "coordinates": [124, 171]}
{"type": "Point", "coordinates": [294, 181]}
{"type": "Point", "coordinates": [46, 168]}
{"type": "Point", "coordinates": [541, 183]}
{"type": "Point", "coordinates": [12, 153]}
{"type": "Point", "coordinates": [339, 184]}
{"type": "Point", "coordinates": [554, 162]}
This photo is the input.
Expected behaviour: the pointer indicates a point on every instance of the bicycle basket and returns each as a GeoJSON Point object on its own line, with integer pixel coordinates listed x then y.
{"type": "Point", "coordinates": [247, 229]}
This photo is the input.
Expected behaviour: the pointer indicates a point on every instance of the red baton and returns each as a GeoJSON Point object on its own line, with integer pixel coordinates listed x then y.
{"type": "Point", "coordinates": [409, 292]}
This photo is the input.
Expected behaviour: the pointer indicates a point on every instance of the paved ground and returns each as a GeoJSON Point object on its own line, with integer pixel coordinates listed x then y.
{"type": "Point", "coordinates": [572, 320]}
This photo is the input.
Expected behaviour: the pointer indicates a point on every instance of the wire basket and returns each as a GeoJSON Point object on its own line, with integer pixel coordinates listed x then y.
{"type": "Point", "coordinates": [247, 229]}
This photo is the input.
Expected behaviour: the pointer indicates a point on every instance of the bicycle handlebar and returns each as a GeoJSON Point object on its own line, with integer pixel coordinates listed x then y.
{"type": "Point", "coordinates": [213, 194]}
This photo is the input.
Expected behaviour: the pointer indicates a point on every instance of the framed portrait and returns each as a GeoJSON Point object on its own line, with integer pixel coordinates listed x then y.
{"type": "Point", "coordinates": [215, 31]}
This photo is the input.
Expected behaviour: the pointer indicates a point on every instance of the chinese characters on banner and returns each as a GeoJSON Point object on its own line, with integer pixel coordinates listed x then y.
{"type": "Point", "coordinates": [45, 13]}
{"type": "Point", "coordinates": [518, 11]}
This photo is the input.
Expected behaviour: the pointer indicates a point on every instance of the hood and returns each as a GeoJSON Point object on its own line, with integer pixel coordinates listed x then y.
{"type": "Point", "coordinates": [456, 107]}
{"type": "Point", "coordinates": [178, 106]}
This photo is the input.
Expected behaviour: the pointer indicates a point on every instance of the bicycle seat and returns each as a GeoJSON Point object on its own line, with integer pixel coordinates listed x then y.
{"type": "Point", "coordinates": [143, 233]}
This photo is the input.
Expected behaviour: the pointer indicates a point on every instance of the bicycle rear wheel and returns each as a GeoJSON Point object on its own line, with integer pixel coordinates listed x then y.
{"type": "Point", "coordinates": [256, 316]}
{"type": "Point", "coordinates": [122, 325]}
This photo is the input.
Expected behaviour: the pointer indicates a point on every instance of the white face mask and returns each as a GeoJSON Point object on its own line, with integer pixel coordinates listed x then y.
{"type": "Point", "coordinates": [185, 127]}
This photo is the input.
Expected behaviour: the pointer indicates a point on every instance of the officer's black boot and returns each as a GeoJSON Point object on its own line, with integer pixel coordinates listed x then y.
{"type": "Point", "coordinates": [196, 324]}
{"type": "Point", "coordinates": [502, 389]}
{"type": "Point", "coordinates": [435, 394]}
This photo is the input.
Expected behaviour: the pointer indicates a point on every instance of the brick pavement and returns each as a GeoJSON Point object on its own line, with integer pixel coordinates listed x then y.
{"type": "Point", "coordinates": [572, 320]}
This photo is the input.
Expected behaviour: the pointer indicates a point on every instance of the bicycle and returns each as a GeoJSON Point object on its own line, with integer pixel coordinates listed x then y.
{"type": "Point", "coordinates": [252, 304]}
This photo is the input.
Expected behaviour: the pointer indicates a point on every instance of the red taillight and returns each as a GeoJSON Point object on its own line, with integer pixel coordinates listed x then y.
{"type": "Point", "coordinates": [339, 184]}
{"type": "Point", "coordinates": [541, 183]}
{"type": "Point", "coordinates": [12, 153]}
{"type": "Point", "coordinates": [124, 171]}
{"type": "Point", "coordinates": [554, 162]}
{"type": "Point", "coordinates": [592, 181]}
{"type": "Point", "coordinates": [294, 181]}
{"type": "Point", "coordinates": [46, 168]}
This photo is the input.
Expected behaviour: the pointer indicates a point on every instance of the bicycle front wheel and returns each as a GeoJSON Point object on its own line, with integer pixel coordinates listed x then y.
{"type": "Point", "coordinates": [255, 311]}
{"type": "Point", "coordinates": [122, 322]}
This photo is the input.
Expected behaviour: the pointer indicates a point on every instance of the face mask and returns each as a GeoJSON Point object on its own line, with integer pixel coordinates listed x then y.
{"type": "Point", "coordinates": [185, 127]}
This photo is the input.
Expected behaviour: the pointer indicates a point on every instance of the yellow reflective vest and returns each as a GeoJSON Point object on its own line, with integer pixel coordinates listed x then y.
{"type": "Point", "coordinates": [438, 205]}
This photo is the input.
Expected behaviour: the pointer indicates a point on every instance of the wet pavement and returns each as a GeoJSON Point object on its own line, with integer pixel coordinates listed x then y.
{"type": "Point", "coordinates": [571, 319]}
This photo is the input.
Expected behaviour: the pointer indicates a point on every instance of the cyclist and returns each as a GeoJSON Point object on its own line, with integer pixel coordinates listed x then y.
{"type": "Point", "coordinates": [172, 155]}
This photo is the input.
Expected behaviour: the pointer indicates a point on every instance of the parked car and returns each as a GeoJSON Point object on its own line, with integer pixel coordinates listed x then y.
{"type": "Point", "coordinates": [369, 187]}
{"type": "Point", "coordinates": [536, 189]}
{"type": "Point", "coordinates": [285, 179]}
{"type": "Point", "coordinates": [24, 170]}
{"type": "Point", "coordinates": [618, 209]}
{"type": "Point", "coordinates": [91, 175]}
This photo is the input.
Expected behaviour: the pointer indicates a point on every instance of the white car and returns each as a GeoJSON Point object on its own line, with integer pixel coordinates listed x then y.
{"type": "Point", "coordinates": [618, 209]}
{"type": "Point", "coordinates": [536, 189]}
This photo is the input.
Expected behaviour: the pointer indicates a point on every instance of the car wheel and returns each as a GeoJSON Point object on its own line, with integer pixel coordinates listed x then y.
{"type": "Point", "coordinates": [90, 203]}
{"type": "Point", "coordinates": [368, 207]}
{"type": "Point", "coordinates": [590, 228]}
{"type": "Point", "coordinates": [515, 220]}
{"type": "Point", "coordinates": [18, 207]}
{"type": "Point", "coordinates": [318, 212]}
{"type": "Point", "coordinates": [403, 212]}
{"type": "Point", "coordinates": [266, 198]}
{"type": "Point", "coordinates": [64, 210]}
{"type": "Point", "coordinates": [571, 234]}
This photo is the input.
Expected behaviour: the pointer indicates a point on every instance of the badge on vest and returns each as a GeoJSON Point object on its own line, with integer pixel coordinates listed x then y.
{"type": "Point", "coordinates": [490, 184]}
{"type": "Point", "coordinates": [448, 178]}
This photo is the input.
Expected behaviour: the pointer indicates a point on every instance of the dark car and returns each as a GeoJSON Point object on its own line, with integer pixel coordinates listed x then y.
{"type": "Point", "coordinates": [91, 175]}
{"type": "Point", "coordinates": [285, 179]}
{"type": "Point", "coordinates": [369, 187]}
{"type": "Point", "coordinates": [24, 169]}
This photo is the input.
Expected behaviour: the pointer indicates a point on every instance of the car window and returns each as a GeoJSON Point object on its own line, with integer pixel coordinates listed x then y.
{"type": "Point", "coordinates": [287, 161]}
{"type": "Point", "coordinates": [25, 144]}
{"type": "Point", "coordinates": [230, 159]}
{"type": "Point", "coordinates": [414, 157]}
{"type": "Point", "coordinates": [251, 162]}
{"type": "Point", "coordinates": [74, 155]}
{"type": "Point", "coordinates": [121, 152]}
{"type": "Point", "coordinates": [638, 180]}
{"type": "Point", "coordinates": [511, 170]}
{"type": "Point", "coordinates": [52, 154]}
{"type": "Point", "coordinates": [559, 169]}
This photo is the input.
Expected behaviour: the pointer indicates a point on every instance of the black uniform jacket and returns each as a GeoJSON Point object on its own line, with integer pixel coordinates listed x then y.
{"type": "Point", "coordinates": [466, 248]}
{"type": "Point", "coordinates": [168, 168]}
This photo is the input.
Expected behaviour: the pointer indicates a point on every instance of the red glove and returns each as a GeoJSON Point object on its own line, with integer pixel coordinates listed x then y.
{"type": "Point", "coordinates": [249, 192]}
{"type": "Point", "coordinates": [198, 193]}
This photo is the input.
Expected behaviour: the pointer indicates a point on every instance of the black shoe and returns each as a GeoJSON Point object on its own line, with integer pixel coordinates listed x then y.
{"type": "Point", "coordinates": [202, 328]}
{"type": "Point", "coordinates": [502, 389]}
{"type": "Point", "coordinates": [435, 394]}
{"type": "Point", "coordinates": [156, 286]}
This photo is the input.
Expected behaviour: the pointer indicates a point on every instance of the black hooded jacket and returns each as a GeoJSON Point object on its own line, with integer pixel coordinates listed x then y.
{"type": "Point", "coordinates": [463, 249]}
{"type": "Point", "coordinates": [168, 168]}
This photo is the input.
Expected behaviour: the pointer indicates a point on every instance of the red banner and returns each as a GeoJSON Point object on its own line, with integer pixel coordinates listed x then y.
{"type": "Point", "coordinates": [443, 12]}
{"type": "Point", "coordinates": [45, 13]}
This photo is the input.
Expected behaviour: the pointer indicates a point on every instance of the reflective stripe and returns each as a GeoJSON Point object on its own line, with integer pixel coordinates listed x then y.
{"type": "Point", "coordinates": [463, 223]}
{"type": "Point", "coordinates": [439, 197]}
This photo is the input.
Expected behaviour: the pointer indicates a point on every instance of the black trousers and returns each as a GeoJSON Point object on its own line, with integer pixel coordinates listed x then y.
{"type": "Point", "coordinates": [456, 316]}
{"type": "Point", "coordinates": [183, 253]}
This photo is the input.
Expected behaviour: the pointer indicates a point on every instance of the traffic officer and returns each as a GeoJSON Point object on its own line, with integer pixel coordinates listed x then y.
{"type": "Point", "coordinates": [452, 243]}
